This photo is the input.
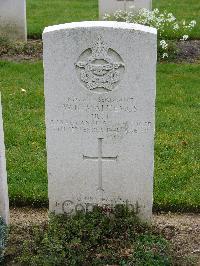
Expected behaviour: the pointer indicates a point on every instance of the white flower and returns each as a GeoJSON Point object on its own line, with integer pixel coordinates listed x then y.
{"type": "Point", "coordinates": [176, 26]}
{"type": "Point", "coordinates": [171, 17]}
{"type": "Point", "coordinates": [164, 55]}
{"type": "Point", "coordinates": [163, 44]}
{"type": "Point", "coordinates": [166, 24]}
{"type": "Point", "coordinates": [185, 37]}
{"type": "Point", "coordinates": [156, 11]}
{"type": "Point", "coordinates": [23, 90]}
{"type": "Point", "coordinates": [192, 23]}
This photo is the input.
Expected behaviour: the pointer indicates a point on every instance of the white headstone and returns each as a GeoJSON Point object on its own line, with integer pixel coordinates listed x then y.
{"type": "Point", "coordinates": [4, 202]}
{"type": "Point", "coordinates": [13, 19]}
{"type": "Point", "coordinates": [111, 6]}
{"type": "Point", "coordinates": [100, 80]}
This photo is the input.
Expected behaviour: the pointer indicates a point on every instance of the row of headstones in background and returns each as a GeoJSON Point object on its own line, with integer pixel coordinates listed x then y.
{"type": "Point", "coordinates": [100, 83]}
{"type": "Point", "coordinates": [13, 14]}
{"type": "Point", "coordinates": [111, 6]}
{"type": "Point", "coordinates": [4, 202]}
{"type": "Point", "coordinates": [13, 19]}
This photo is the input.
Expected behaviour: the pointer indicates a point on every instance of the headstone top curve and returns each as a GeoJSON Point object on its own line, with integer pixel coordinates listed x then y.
{"type": "Point", "coordinates": [103, 24]}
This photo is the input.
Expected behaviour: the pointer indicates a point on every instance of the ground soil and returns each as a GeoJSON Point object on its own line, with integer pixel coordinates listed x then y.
{"type": "Point", "coordinates": [30, 51]}
{"type": "Point", "coordinates": [182, 230]}
{"type": "Point", "coordinates": [188, 51]}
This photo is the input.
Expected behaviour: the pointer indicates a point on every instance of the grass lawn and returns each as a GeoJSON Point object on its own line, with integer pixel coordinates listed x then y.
{"type": "Point", "coordinates": [177, 134]}
{"type": "Point", "coordinates": [42, 13]}
{"type": "Point", "coordinates": [25, 130]}
{"type": "Point", "coordinates": [183, 10]}
{"type": "Point", "coordinates": [177, 166]}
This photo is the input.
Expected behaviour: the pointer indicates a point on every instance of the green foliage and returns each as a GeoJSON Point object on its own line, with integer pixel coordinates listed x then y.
{"type": "Point", "coordinates": [4, 41]}
{"type": "Point", "coordinates": [96, 238]}
{"type": "Point", "coordinates": [183, 10]}
{"type": "Point", "coordinates": [165, 23]}
{"type": "Point", "coordinates": [168, 55]}
{"type": "Point", "coordinates": [3, 235]}
{"type": "Point", "coordinates": [10, 48]}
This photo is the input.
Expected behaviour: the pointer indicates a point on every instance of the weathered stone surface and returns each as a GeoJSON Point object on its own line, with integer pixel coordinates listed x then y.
{"type": "Point", "coordinates": [13, 19]}
{"type": "Point", "coordinates": [111, 6]}
{"type": "Point", "coordinates": [100, 80]}
{"type": "Point", "coordinates": [4, 202]}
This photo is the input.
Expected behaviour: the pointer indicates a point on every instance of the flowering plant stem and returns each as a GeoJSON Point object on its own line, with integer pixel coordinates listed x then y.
{"type": "Point", "coordinates": [166, 24]}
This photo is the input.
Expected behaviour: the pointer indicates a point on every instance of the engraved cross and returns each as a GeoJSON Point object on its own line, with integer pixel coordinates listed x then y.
{"type": "Point", "coordinates": [100, 158]}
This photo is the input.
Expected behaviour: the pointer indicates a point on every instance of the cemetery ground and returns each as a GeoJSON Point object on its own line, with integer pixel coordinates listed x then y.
{"type": "Point", "coordinates": [176, 161]}
{"type": "Point", "coordinates": [181, 230]}
{"type": "Point", "coordinates": [177, 181]}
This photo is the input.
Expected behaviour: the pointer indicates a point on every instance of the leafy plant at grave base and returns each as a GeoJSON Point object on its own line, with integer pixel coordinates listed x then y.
{"type": "Point", "coordinates": [9, 48]}
{"type": "Point", "coordinates": [3, 234]}
{"type": "Point", "coordinates": [166, 23]}
{"type": "Point", "coordinates": [99, 237]}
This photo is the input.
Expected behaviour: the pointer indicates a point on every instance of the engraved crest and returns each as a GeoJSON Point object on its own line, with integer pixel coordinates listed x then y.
{"type": "Point", "coordinates": [100, 68]}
